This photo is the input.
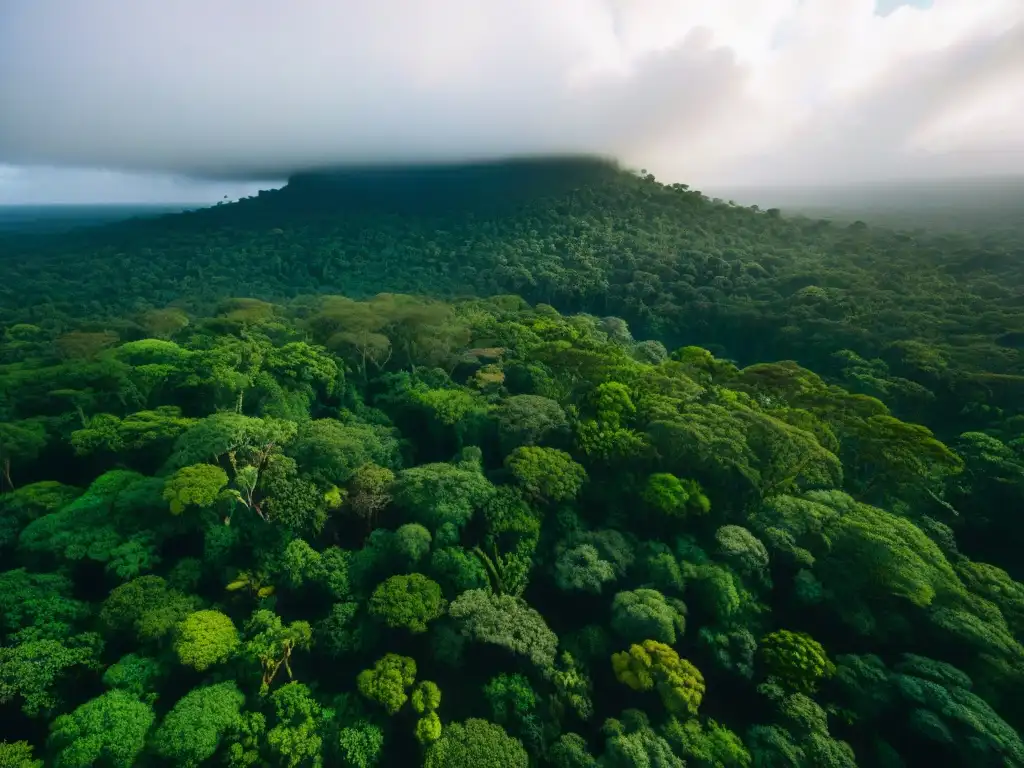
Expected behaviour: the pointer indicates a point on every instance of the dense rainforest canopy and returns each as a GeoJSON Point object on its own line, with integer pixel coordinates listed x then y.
{"type": "Point", "coordinates": [260, 508]}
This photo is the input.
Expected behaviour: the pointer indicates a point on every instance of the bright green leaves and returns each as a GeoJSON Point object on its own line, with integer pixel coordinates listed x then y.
{"type": "Point", "coordinates": [408, 602]}
{"type": "Point", "coordinates": [426, 698]}
{"type": "Point", "coordinates": [144, 432]}
{"type": "Point", "coordinates": [17, 754]}
{"type": "Point", "coordinates": [360, 744]}
{"type": "Point", "coordinates": [31, 671]}
{"type": "Point", "coordinates": [249, 439]}
{"type": "Point", "coordinates": [651, 665]}
{"type": "Point", "coordinates": [708, 745]}
{"type": "Point", "coordinates": [388, 682]}
{"type": "Point", "coordinates": [113, 511]}
{"type": "Point", "coordinates": [198, 484]}
{"type": "Point", "coordinates": [740, 548]}
{"type": "Point", "coordinates": [270, 643]}
{"type": "Point", "coordinates": [108, 730]}
{"type": "Point", "coordinates": [546, 473]}
{"type": "Point", "coordinates": [193, 729]}
{"type": "Point", "coordinates": [796, 660]}
{"type": "Point", "coordinates": [205, 638]}
{"type": "Point", "coordinates": [670, 496]}
{"type": "Point", "coordinates": [295, 738]}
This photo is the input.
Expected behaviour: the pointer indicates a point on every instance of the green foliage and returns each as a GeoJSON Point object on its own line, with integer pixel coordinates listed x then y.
{"type": "Point", "coordinates": [546, 473]}
{"type": "Point", "coordinates": [388, 682]}
{"type": "Point", "coordinates": [295, 739]}
{"type": "Point", "coordinates": [198, 484]}
{"type": "Point", "coordinates": [17, 754]}
{"type": "Point", "coordinates": [331, 451]}
{"type": "Point", "coordinates": [139, 675]}
{"type": "Point", "coordinates": [360, 744]}
{"type": "Point", "coordinates": [570, 751]}
{"type": "Point", "coordinates": [31, 670]}
{"type": "Point", "coordinates": [653, 665]}
{"type": "Point", "coordinates": [796, 659]}
{"type": "Point", "coordinates": [39, 602]}
{"type": "Point", "coordinates": [426, 697]}
{"type": "Point", "coordinates": [708, 744]}
{"type": "Point", "coordinates": [529, 420]}
{"type": "Point", "coordinates": [475, 743]}
{"type": "Point", "coordinates": [581, 568]}
{"type": "Point", "coordinates": [435, 494]}
{"type": "Point", "coordinates": [408, 602]}
{"type": "Point", "coordinates": [631, 743]}
{"type": "Point", "coordinates": [146, 606]}
{"type": "Point", "coordinates": [670, 496]}
{"type": "Point", "coordinates": [511, 698]}
{"type": "Point", "coordinates": [205, 638]}
{"type": "Point", "coordinates": [428, 729]}
{"type": "Point", "coordinates": [108, 730]}
{"type": "Point", "coordinates": [645, 613]}
{"type": "Point", "coordinates": [191, 732]}
{"type": "Point", "coordinates": [270, 643]}
{"type": "Point", "coordinates": [508, 622]}
{"type": "Point", "coordinates": [337, 468]}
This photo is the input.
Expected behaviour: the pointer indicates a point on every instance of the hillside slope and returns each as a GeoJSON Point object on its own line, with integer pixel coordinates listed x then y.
{"type": "Point", "coordinates": [943, 312]}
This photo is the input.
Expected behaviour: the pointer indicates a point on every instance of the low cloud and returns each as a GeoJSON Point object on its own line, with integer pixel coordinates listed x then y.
{"type": "Point", "coordinates": [729, 92]}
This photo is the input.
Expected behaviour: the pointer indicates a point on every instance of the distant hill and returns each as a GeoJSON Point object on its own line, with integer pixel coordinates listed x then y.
{"type": "Point", "coordinates": [942, 311]}
{"type": "Point", "coordinates": [981, 205]}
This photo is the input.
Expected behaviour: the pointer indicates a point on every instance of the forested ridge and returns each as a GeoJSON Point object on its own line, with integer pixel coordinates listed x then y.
{"type": "Point", "coordinates": [936, 321]}
{"type": "Point", "coordinates": [247, 520]}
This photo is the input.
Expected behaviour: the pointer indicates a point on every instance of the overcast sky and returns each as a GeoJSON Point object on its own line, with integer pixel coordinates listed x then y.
{"type": "Point", "coordinates": [108, 100]}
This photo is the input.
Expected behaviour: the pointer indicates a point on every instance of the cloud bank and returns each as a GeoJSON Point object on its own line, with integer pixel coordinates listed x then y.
{"type": "Point", "coordinates": [722, 92]}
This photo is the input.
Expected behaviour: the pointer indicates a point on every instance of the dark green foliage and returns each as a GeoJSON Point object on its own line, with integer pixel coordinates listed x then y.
{"type": "Point", "coordinates": [508, 622]}
{"type": "Point", "coordinates": [476, 744]}
{"type": "Point", "coordinates": [292, 509]}
{"type": "Point", "coordinates": [796, 659]}
{"type": "Point", "coordinates": [645, 613]}
{"type": "Point", "coordinates": [632, 743]}
{"type": "Point", "coordinates": [139, 675]}
{"type": "Point", "coordinates": [407, 602]}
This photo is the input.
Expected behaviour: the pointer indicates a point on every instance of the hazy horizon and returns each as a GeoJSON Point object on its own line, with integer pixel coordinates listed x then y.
{"type": "Point", "coordinates": [112, 102]}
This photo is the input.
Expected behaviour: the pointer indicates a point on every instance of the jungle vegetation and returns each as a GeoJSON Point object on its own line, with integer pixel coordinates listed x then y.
{"type": "Point", "coordinates": [614, 476]}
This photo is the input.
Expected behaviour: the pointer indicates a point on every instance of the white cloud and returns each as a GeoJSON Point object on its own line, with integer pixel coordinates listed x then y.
{"type": "Point", "coordinates": [713, 92]}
